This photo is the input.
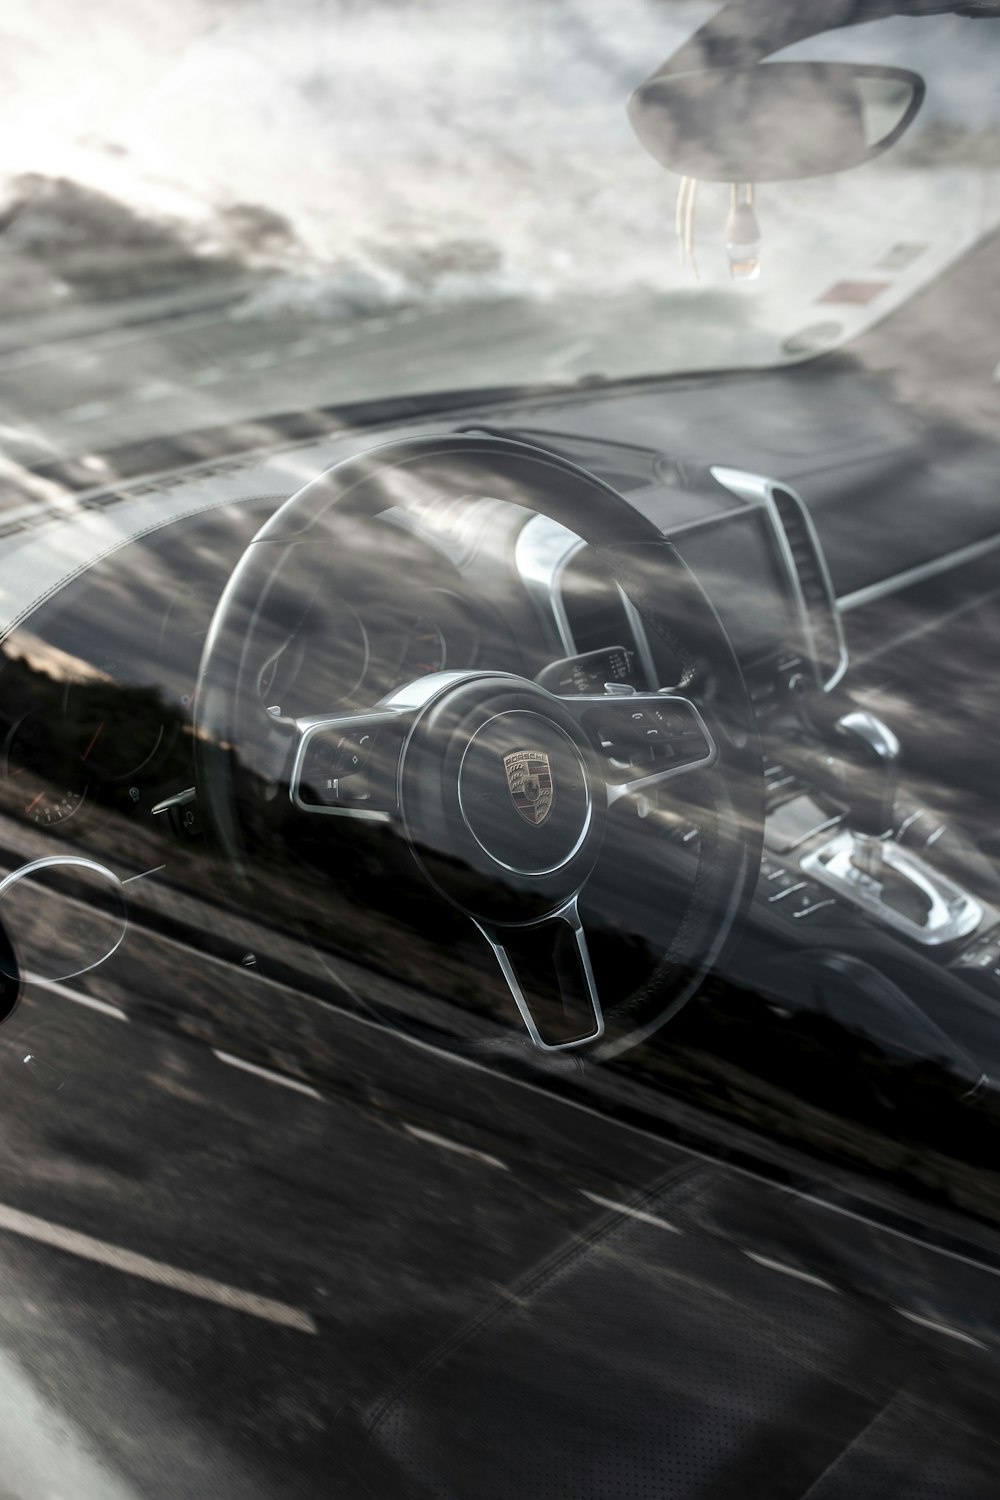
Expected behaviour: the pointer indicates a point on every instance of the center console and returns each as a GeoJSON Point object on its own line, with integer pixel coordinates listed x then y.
{"type": "Point", "coordinates": [835, 834]}
{"type": "Point", "coordinates": [851, 859]}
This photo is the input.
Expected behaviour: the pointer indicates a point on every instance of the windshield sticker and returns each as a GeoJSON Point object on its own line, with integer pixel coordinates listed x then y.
{"type": "Point", "coordinates": [854, 291]}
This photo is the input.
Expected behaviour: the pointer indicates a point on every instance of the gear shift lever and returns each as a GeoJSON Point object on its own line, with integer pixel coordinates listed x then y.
{"type": "Point", "coordinates": [888, 882]}
{"type": "Point", "coordinates": [873, 747]}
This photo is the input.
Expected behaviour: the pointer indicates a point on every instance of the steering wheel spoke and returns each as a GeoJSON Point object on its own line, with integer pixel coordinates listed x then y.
{"type": "Point", "coordinates": [548, 971]}
{"type": "Point", "coordinates": [643, 739]}
{"type": "Point", "coordinates": [348, 765]}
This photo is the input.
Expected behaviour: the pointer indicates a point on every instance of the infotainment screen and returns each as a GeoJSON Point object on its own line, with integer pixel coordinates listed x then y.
{"type": "Point", "coordinates": [737, 562]}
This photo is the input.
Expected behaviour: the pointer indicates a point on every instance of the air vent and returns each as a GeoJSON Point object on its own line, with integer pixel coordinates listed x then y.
{"type": "Point", "coordinates": [804, 555]}
{"type": "Point", "coordinates": [822, 619]}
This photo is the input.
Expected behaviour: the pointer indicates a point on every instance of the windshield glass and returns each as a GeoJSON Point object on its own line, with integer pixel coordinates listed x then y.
{"type": "Point", "coordinates": [499, 820]}
{"type": "Point", "coordinates": [213, 213]}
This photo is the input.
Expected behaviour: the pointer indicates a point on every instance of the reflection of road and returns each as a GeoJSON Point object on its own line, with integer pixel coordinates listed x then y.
{"type": "Point", "coordinates": [204, 1261]}
{"type": "Point", "coordinates": [213, 1242]}
{"type": "Point", "coordinates": [94, 392]}
{"type": "Point", "coordinates": [188, 372]}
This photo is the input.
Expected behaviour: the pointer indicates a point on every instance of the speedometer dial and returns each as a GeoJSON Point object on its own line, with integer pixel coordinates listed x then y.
{"type": "Point", "coordinates": [47, 805]}
{"type": "Point", "coordinates": [42, 784]}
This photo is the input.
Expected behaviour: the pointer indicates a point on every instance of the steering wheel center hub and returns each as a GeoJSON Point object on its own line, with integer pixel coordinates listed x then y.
{"type": "Point", "coordinates": [523, 793]}
{"type": "Point", "coordinates": [497, 798]}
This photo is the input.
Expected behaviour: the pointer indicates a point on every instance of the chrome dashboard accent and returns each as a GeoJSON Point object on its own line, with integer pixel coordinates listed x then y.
{"type": "Point", "coordinates": [420, 692]}
{"type": "Point", "coordinates": [896, 582]}
{"type": "Point", "coordinates": [759, 490]}
{"type": "Point", "coordinates": [541, 554]}
{"type": "Point", "coordinates": [104, 943]}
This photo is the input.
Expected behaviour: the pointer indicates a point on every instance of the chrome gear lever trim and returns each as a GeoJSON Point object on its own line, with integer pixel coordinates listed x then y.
{"type": "Point", "coordinates": [849, 871]}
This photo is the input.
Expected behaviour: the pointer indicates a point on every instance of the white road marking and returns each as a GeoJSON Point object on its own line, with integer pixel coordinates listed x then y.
{"type": "Point", "coordinates": [209, 376]}
{"type": "Point", "coordinates": [432, 1139]}
{"type": "Point", "coordinates": [952, 1333]}
{"type": "Point", "coordinates": [118, 1259]}
{"type": "Point", "coordinates": [632, 1213]}
{"type": "Point", "coordinates": [262, 360]}
{"type": "Point", "coordinates": [156, 390]}
{"type": "Point", "coordinates": [779, 1265]}
{"type": "Point", "coordinates": [303, 346]}
{"type": "Point", "coordinates": [77, 996]}
{"type": "Point", "coordinates": [266, 1073]}
{"type": "Point", "coordinates": [178, 327]}
{"type": "Point", "coordinates": [388, 1036]}
{"type": "Point", "coordinates": [88, 412]}
{"type": "Point", "coordinates": [341, 336]}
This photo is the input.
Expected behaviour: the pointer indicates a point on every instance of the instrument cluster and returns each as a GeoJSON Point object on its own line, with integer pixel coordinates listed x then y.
{"type": "Point", "coordinates": [97, 690]}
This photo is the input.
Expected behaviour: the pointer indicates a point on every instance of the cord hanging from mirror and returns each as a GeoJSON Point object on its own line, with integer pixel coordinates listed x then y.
{"type": "Point", "coordinates": [742, 234]}
{"type": "Point", "coordinates": [687, 196]}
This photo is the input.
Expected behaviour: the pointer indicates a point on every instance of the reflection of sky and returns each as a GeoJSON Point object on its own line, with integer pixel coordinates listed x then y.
{"type": "Point", "coordinates": [448, 151]}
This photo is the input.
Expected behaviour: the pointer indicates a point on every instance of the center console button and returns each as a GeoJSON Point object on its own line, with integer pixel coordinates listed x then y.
{"type": "Point", "coordinates": [807, 911]}
{"type": "Point", "coordinates": [785, 889]}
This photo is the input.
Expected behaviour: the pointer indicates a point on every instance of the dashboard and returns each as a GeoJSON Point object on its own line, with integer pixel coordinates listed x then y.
{"type": "Point", "coordinates": [98, 681]}
{"type": "Point", "coordinates": [107, 610]}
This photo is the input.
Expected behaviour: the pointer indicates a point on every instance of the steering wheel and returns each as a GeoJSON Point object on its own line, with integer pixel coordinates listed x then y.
{"type": "Point", "coordinates": [525, 814]}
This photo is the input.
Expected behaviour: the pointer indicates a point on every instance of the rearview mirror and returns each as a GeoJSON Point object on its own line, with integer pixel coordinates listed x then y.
{"type": "Point", "coordinates": [773, 121]}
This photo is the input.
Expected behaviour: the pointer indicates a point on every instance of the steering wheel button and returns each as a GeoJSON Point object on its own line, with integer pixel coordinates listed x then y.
{"type": "Point", "coordinates": [352, 754]}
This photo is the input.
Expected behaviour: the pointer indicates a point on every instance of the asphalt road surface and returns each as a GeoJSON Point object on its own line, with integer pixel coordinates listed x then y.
{"type": "Point", "coordinates": [204, 1260]}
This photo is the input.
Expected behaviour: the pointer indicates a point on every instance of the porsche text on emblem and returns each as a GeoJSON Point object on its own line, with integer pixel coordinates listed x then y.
{"type": "Point", "coordinates": [529, 781]}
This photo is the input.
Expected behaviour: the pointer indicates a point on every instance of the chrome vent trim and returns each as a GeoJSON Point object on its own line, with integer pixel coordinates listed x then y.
{"type": "Point", "coordinates": [542, 553]}
{"type": "Point", "coordinates": [809, 574]}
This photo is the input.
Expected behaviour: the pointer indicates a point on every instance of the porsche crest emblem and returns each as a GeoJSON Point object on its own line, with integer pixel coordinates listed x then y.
{"type": "Point", "coordinates": [529, 781]}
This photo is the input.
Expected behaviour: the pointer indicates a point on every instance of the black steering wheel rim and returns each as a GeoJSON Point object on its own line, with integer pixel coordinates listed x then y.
{"type": "Point", "coordinates": [408, 474]}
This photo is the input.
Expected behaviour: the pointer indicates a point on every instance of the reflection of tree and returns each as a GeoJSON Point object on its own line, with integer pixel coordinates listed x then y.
{"type": "Point", "coordinates": [806, 1077]}
{"type": "Point", "coordinates": [91, 732]}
